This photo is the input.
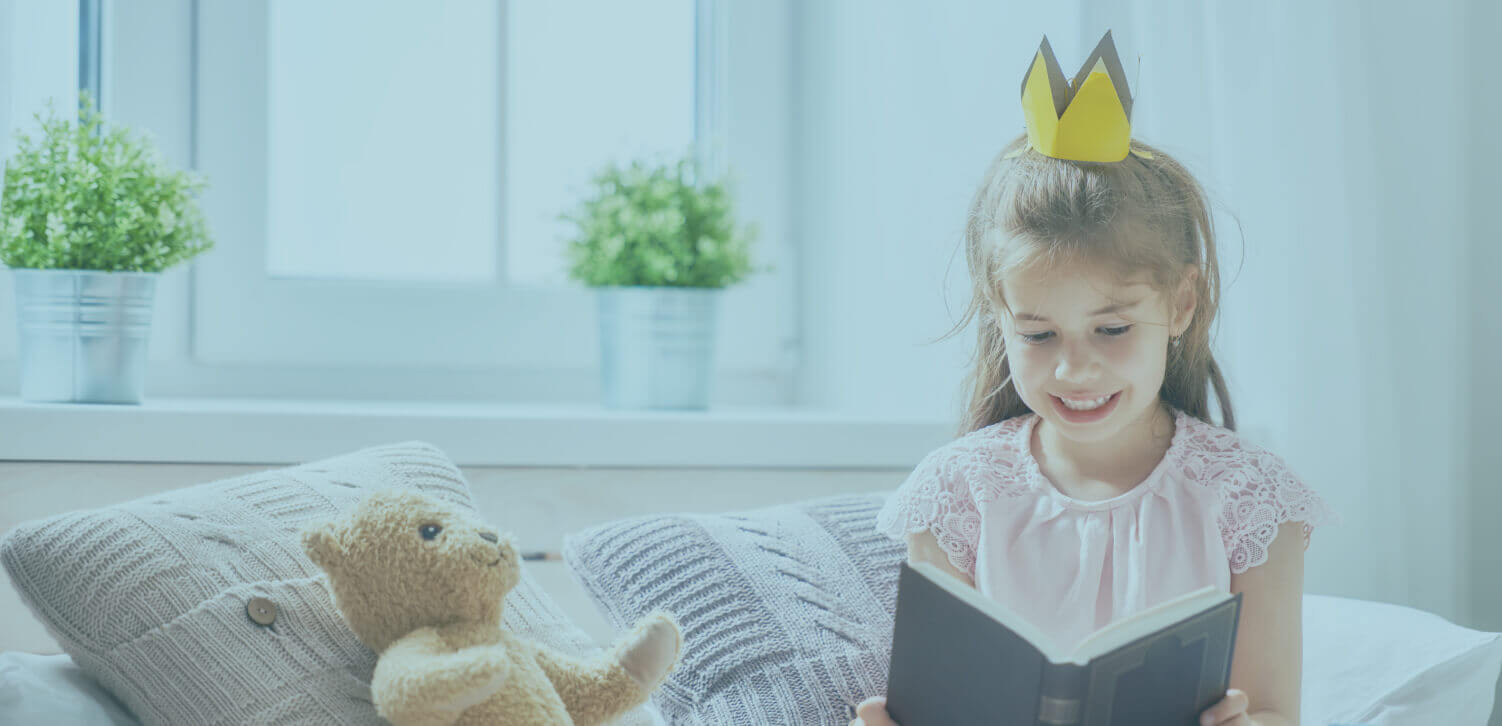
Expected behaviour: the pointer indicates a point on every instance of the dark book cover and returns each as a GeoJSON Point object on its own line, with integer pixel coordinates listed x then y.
{"type": "Point", "coordinates": [956, 661]}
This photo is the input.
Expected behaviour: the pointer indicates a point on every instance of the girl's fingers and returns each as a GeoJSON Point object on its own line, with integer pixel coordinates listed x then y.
{"type": "Point", "coordinates": [873, 712]}
{"type": "Point", "coordinates": [1227, 711]}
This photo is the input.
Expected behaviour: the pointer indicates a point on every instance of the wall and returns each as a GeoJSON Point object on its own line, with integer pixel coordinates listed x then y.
{"type": "Point", "coordinates": [899, 112]}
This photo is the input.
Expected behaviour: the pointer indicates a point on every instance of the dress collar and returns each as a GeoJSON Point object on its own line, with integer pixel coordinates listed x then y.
{"type": "Point", "coordinates": [1033, 476]}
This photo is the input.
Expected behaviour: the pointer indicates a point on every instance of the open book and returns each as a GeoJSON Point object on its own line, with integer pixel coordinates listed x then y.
{"type": "Point", "coordinates": [959, 658]}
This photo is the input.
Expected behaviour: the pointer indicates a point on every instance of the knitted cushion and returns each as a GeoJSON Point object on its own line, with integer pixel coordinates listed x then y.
{"type": "Point", "coordinates": [150, 597]}
{"type": "Point", "coordinates": [787, 616]}
{"type": "Point", "coordinates": [786, 611]}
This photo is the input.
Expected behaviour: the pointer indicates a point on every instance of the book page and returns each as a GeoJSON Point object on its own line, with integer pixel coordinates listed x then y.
{"type": "Point", "coordinates": [1147, 622]}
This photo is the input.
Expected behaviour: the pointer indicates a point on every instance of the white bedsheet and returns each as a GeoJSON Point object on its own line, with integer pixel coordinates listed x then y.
{"type": "Point", "coordinates": [1364, 663]}
{"type": "Point", "coordinates": [50, 689]}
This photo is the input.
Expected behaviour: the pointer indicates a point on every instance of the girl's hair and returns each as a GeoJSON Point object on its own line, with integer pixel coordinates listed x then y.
{"type": "Point", "coordinates": [1131, 218]}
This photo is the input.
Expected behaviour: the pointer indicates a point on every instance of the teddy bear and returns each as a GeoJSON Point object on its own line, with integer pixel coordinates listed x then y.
{"type": "Point", "coordinates": [422, 584]}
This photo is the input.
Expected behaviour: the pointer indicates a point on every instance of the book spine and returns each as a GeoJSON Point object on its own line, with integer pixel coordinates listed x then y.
{"type": "Point", "coordinates": [1061, 700]}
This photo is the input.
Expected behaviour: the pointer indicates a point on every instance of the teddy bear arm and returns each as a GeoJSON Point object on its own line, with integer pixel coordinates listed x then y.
{"type": "Point", "coordinates": [594, 690]}
{"type": "Point", "coordinates": [419, 680]}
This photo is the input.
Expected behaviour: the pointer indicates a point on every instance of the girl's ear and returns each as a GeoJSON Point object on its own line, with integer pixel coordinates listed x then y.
{"type": "Point", "coordinates": [324, 545]}
{"type": "Point", "coordinates": [1186, 299]}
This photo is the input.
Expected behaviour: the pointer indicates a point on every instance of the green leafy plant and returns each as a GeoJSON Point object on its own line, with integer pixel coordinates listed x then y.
{"type": "Point", "coordinates": [86, 197]}
{"type": "Point", "coordinates": [651, 225]}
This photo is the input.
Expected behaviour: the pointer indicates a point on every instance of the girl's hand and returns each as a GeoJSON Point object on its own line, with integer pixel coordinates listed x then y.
{"type": "Point", "coordinates": [873, 712]}
{"type": "Point", "coordinates": [1231, 711]}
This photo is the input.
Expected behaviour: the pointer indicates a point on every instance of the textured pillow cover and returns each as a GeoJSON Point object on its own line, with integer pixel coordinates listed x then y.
{"type": "Point", "coordinates": [150, 596]}
{"type": "Point", "coordinates": [786, 611]}
{"type": "Point", "coordinates": [787, 617]}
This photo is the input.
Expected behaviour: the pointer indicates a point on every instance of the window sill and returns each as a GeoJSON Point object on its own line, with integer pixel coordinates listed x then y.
{"type": "Point", "coordinates": [285, 432]}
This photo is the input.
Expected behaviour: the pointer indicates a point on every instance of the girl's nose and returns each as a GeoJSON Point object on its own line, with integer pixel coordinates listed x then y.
{"type": "Point", "coordinates": [1076, 365]}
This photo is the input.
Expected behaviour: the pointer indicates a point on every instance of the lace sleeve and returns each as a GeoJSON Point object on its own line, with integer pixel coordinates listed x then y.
{"type": "Point", "coordinates": [936, 498]}
{"type": "Point", "coordinates": [1259, 496]}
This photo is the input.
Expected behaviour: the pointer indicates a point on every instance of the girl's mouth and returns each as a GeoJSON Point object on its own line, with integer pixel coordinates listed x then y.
{"type": "Point", "coordinates": [1077, 416]}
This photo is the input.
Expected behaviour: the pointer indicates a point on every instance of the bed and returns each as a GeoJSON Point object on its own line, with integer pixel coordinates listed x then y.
{"type": "Point", "coordinates": [1364, 662]}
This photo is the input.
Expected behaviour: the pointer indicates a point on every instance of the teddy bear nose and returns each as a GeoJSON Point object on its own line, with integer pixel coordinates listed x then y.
{"type": "Point", "coordinates": [489, 537]}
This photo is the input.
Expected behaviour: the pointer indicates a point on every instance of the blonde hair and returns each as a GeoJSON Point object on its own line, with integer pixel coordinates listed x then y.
{"type": "Point", "coordinates": [1133, 217]}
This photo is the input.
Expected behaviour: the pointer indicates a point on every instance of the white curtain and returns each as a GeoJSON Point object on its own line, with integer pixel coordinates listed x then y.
{"type": "Point", "coordinates": [1338, 134]}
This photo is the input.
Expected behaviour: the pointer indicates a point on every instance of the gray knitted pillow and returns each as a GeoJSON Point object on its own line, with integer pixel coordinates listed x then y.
{"type": "Point", "coordinates": [152, 597]}
{"type": "Point", "coordinates": [786, 611]}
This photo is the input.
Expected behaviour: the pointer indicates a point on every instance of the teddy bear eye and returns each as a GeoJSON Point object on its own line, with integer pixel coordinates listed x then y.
{"type": "Point", "coordinates": [429, 531]}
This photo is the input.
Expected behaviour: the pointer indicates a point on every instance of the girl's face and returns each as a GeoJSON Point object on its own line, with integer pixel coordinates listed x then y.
{"type": "Point", "coordinates": [1088, 353]}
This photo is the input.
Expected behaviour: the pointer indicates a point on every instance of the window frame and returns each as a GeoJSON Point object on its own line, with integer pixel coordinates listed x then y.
{"type": "Point", "coordinates": [240, 316]}
{"type": "Point", "coordinates": [38, 63]}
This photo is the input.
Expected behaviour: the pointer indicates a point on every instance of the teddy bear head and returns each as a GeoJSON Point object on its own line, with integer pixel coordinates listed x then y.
{"type": "Point", "coordinates": [403, 560]}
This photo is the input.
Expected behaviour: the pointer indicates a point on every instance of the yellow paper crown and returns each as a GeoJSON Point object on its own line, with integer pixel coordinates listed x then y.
{"type": "Point", "coordinates": [1086, 120]}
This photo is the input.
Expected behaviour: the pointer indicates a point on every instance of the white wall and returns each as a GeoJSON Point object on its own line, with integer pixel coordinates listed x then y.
{"type": "Point", "coordinates": [900, 109]}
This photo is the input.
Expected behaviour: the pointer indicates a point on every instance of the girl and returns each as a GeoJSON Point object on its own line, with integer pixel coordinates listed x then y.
{"type": "Point", "coordinates": [1089, 482]}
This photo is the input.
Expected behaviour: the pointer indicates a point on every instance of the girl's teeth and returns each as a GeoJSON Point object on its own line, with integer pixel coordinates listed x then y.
{"type": "Point", "coordinates": [1085, 405]}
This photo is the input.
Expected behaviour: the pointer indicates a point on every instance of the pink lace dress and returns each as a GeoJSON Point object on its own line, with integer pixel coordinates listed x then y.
{"type": "Point", "coordinates": [1209, 510]}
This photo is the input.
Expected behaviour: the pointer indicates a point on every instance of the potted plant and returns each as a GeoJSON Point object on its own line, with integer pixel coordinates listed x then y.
{"type": "Point", "coordinates": [89, 217]}
{"type": "Point", "coordinates": [658, 246]}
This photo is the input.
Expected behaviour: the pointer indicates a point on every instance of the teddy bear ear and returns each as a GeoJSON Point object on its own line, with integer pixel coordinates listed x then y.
{"type": "Point", "coordinates": [324, 545]}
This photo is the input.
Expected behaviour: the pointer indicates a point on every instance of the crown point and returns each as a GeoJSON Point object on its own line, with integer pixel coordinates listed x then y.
{"type": "Point", "coordinates": [1086, 118]}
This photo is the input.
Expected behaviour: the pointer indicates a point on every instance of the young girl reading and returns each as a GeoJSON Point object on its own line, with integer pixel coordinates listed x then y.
{"type": "Point", "coordinates": [1089, 482]}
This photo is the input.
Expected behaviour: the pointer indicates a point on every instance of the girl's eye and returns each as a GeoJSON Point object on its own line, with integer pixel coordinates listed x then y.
{"type": "Point", "coordinates": [1039, 338]}
{"type": "Point", "coordinates": [429, 531]}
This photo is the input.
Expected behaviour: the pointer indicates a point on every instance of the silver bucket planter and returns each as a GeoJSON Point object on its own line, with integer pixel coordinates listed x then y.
{"type": "Point", "coordinates": [657, 346]}
{"type": "Point", "coordinates": [83, 334]}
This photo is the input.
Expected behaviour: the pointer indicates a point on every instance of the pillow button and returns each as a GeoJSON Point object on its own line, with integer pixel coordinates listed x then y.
{"type": "Point", "coordinates": [261, 610]}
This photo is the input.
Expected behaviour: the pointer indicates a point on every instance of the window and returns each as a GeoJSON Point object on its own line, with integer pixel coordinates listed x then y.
{"type": "Point", "coordinates": [382, 137]}
{"type": "Point", "coordinates": [385, 183]}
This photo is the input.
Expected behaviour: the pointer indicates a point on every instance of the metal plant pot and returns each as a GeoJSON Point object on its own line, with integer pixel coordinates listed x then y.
{"type": "Point", "coordinates": [83, 334]}
{"type": "Point", "coordinates": [657, 346]}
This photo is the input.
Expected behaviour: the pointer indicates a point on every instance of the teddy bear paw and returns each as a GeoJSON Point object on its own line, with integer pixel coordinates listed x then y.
{"type": "Point", "coordinates": [650, 651]}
